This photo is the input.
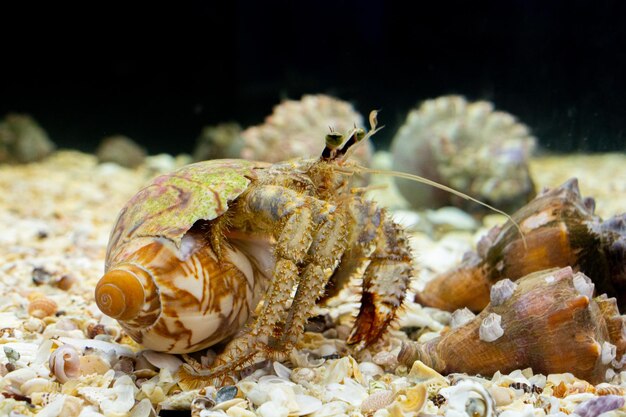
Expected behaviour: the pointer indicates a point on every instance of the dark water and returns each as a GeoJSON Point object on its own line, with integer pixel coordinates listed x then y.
{"type": "Point", "coordinates": [158, 74]}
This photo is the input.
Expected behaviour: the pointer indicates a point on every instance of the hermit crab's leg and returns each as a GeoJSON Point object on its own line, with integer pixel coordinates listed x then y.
{"type": "Point", "coordinates": [328, 244]}
{"type": "Point", "coordinates": [294, 217]}
{"type": "Point", "coordinates": [387, 275]}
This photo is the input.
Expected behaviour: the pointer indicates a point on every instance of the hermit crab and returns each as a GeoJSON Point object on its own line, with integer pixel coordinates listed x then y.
{"type": "Point", "coordinates": [241, 251]}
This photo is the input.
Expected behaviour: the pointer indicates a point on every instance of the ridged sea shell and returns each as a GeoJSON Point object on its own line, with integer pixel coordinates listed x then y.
{"type": "Point", "coordinates": [560, 229]}
{"type": "Point", "coordinates": [467, 146]}
{"type": "Point", "coordinates": [42, 307]}
{"type": "Point", "coordinates": [376, 401]}
{"type": "Point", "coordinates": [547, 324]}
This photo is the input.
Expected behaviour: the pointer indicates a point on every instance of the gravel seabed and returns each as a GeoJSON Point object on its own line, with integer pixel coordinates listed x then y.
{"type": "Point", "coordinates": [55, 219]}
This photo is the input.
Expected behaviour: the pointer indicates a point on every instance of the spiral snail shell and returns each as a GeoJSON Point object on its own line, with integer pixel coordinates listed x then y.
{"type": "Point", "coordinates": [549, 322]}
{"type": "Point", "coordinates": [560, 229]}
{"type": "Point", "coordinates": [163, 281]}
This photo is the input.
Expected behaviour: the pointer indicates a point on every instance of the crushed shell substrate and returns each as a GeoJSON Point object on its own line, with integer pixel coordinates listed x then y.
{"type": "Point", "coordinates": [55, 219]}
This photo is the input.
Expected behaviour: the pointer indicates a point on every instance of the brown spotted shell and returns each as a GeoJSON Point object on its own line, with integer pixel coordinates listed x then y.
{"type": "Point", "coordinates": [163, 282]}
{"type": "Point", "coordinates": [560, 229]}
{"type": "Point", "coordinates": [549, 322]}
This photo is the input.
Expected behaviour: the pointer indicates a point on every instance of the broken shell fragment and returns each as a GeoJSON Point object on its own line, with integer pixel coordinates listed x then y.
{"type": "Point", "coordinates": [559, 229]}
{"type": "Point", "coordinates": [414, 399]}
{"type": "Point", "coordinates": [547, 325]}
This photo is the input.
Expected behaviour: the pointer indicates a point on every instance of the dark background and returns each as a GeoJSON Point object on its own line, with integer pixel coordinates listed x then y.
{"type": "Point", "coordinates": [158, 73]}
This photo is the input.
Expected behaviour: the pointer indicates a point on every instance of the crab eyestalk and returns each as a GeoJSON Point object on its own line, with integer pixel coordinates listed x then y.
{"type": "Point", "coordinates": [357, 135]}
{"type": "Point", "coordinates": [333, 142]}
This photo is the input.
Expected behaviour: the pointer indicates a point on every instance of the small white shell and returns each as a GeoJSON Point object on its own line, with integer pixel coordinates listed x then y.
{"type": "Point", "coordinates": [491, 328]}
{"type": "Point", "coordinates": [583, 285]}
{"type": "Point", "coordinates": [65, 363]}
{"type": "Point", "coordinates": [237, 411]}
{"type": "Point", "coordinates": [306, 405]}
{"type": "Point", "coordinates": [53, 409]}
{"type": "Point", "coordinates": [120, 350]}
{"type": "Point", "coordinates": [302, 375]}
{"type": "Point", "coordinates": [72, 407]}
{"type": "Point", "coordinates": [163, 360]}
{"type": "Point", "coordinates": [271, 409]}
{"type": "Point", "coordinates": [609, 351]}
{"type": "Point", "coordinates": [502, 395]}
{"type": "Point", "coordinates": [225, 405]}
{"type": "Point", "coordinates": [281, 370]}
{"type": "Point", "coordinates": [34, 325]}
{"type": "Point", "coordinates": [502, 291]}
{"type": "Point", "coordinates": [38, 385]}
{"type": "Point", "coordinates": [386, 358]}
{"type": "Point", "coordinates": [461, 317]}
{"type": "Point", "coordinates": [120, 398]}
{"type": "Point", "coordinates": [342, 369]}
{"type": "Point", "coordinates": [19, 376]}
{"type": "Point", "coordinates": [468, 397]}
{"type": "Point", "coordinates": [332, 409]}
{"type": "Point", "coordinates": [370, 369]}
{"type": "Point", "coordinates": [350, 391]}
{"type": "Point", "coordinates": [143, 409]}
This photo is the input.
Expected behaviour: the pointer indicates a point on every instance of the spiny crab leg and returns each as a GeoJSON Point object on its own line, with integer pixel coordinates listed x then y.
{"type": "Point", "coordinates": [330, 240]}
{"type": "Point", "coordinates": [298, 215]}
{"type": "Point", "coordinates": [386, 277]}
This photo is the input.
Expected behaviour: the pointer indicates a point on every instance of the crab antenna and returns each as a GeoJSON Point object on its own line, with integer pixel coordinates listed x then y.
{"type": "Point", "coordinates": [373, 119]}
{"type": "Point", "coordinates": [435, 184]}
{"type": "Point", "coordinates": [359, 136]}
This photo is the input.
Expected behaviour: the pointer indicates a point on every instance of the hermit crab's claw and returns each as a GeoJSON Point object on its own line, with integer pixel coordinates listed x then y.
{"type": "Point", "coordinates": [372, 320]}
{"type": "Point", "coordinates": [385, 282]}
